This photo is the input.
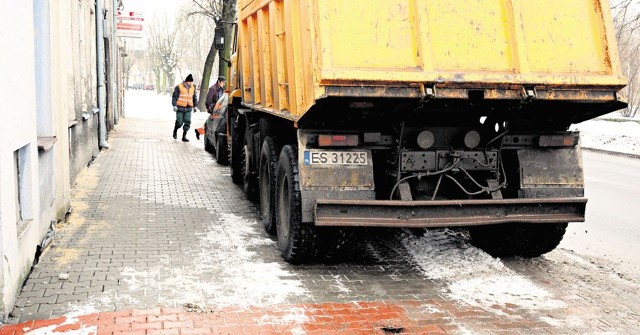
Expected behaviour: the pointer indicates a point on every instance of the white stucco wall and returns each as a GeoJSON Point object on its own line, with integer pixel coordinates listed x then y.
{"type": "Point", "coordinates": [48, 85]}
{"type": "Point", "coordinates": [63, 57]}
{"type": "Point", "coordinates": [18, 238]}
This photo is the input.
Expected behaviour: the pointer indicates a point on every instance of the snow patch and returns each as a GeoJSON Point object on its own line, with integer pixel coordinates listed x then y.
{"type": "Point", "coordinates": [431, 309]}
{"type": "Point", "coordinates": [148, 105]}
{"type": "Point", "coordinates": [50, 330]}
{"type": "Point", "coordinates": [571, 321]}
{"type": "Point", "coordinates": [339, 285]}
{"type": "Point", "coordinates": [623, 137]}
{"type": "Point", "coordinates": [444, 254]}
{"type": "Point", "coordinates": [294, 316]}
{"type": "Point", "coordinates": [224, 271]}
{"type": "Point", "coordinates": [502, 290]}
{"type": "Point", "coordinates": [579, 260]}
{"type": "Point", "coordinates": [474, 277]}
{"type": "Point", "coordinates": [463, 331]}
{"type": "Point", "coordinates": [71, 319]}
{"type": "Point", "coordinates": [115, 299]}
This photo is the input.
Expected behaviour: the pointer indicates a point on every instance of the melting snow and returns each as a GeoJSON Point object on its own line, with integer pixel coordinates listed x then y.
{"type": "Point", "coordinates": [295, 316]}
{"type": "Point", "coordinates": [623, 136]}
{"type": "Point", "coordinates": [474, 277]}
{"type": "Point", "coordinates": [71, 319]}
{"type": "Point", "coordinates": [571, 321]}
{"type": "Point", "coordinates": [503, 289]}
{"type": "Point", "coordinates": [208, 279]}
{"type": "Point", "coordinates": [444, 254]}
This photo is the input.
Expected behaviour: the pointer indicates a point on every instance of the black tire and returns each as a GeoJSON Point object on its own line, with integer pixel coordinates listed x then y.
{"type": "Point", "coordinates": [296, 239]}
{"type": "Point", "coordinates": [222, 151]}
{"type": "Point", "coordinates": [235, 166]}
{"type": "Point", "coordinates": [267, 180]}
{"type": "Point", "coordinates": [249, 181]}
{"type": "Point", "coordinates": [518, 239]}
{"type": "Point", "coordinates": [208, 147]}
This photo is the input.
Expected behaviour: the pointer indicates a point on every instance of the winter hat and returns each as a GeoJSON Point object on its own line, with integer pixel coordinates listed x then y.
{"type": "Point", "coordinates": [189, 78]}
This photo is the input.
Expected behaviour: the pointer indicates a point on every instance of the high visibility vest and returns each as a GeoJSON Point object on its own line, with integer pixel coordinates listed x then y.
{"type": "Point", "coordinates": [186, 95]}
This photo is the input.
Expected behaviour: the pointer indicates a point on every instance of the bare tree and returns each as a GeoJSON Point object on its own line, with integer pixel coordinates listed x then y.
{"type": "Point", "coordinates": [164, 50]}
{"type": "Point", "coordinates": [197, 31]}
{"type": "Point", "coordinates": [221, 13]}
{"type": "Point", "coordinates": [627, 24]}
{"type": "Point", "coordinates": [228, 20]}
{"type": "Point", "coordinates": [128, 59]}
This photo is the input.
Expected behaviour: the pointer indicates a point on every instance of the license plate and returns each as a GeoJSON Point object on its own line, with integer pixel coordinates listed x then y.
{"type": "Point", "coordinates": [335, 158]}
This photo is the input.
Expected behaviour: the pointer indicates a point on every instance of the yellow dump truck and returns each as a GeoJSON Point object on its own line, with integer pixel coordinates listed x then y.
{"type": "Point", "coordinates": [418, 114]}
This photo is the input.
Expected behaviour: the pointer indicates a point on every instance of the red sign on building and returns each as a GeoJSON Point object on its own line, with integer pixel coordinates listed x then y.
{"type": "Point", "coordinates": [130, 24]}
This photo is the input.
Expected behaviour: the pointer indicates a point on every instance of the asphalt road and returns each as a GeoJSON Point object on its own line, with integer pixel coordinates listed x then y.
{"type": "Point", "coordinates": [612, 228]}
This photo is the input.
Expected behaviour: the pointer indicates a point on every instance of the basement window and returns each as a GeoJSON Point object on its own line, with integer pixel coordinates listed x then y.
{"type": "Point", "coordinates": [23, 196]}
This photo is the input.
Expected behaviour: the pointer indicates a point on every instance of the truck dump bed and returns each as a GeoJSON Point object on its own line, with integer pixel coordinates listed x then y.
{"type": "Point", "coordinates": [296, 52]}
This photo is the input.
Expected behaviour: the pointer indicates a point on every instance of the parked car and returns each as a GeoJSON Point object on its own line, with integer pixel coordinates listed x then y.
{"type": "Point", "coordinates": [215, 131]}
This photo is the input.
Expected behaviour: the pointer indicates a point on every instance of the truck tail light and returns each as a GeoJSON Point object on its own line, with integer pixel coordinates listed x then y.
{"type": "Point", "coordinates": [568, 140]}
{"type": "Point", "coordinates": [328, 140]}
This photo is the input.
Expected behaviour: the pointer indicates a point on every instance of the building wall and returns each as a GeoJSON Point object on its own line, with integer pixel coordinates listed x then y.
{"type": "Point", "coordinates": [49, 85]}
{"type": "Point", "coordinates": [19, 183]}
{"type": "Point", "coordinates": [83, 132]}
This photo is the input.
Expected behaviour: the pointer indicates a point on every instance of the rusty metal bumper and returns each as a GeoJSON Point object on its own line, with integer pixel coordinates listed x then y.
{"type": "Point", "coordinates": [447, 213]}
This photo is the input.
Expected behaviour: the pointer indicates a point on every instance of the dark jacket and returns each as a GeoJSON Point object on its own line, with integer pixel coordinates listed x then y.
{"type": "Point", "coordinates": [176, 95]}
{"type": "Point", "coordinates": [213, 95]}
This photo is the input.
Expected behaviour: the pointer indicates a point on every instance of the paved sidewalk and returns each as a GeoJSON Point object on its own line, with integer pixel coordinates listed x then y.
{"type": "Point", "coordinates": [409, 317]}
{"type": "Point", "coordinates": [161, 242]}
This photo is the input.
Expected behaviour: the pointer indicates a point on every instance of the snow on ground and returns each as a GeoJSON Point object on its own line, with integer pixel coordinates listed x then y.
{"type": "Point", "coordinates": [71, 319]}
{"type": "Point", "coordinates": [611, 134]}
{"type": "Point", "coordinates": [473, 276]}
{"type": "Point", "coordinates": [139, 103]}
{"type": "Point", "coordinates": [232, 265]}
{"type": "Point", "coordinates": [435, 250]}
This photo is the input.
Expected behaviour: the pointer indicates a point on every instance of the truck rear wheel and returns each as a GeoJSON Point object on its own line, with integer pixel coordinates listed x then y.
{"type": "Point", "coordinates": [249, 182]}
{"type": "Point", "coordinates": [222, 150]}
{"type": "Point", "coordinates": [267, 179]}
{"type": "Point", "coordinates": [235, 166]}
{"type": "Point", "coordinates": [296, 239]}
{"type": "Point", "coordinates": [207, 145]}
{"type": "Point", "coordinates": [518, 239]}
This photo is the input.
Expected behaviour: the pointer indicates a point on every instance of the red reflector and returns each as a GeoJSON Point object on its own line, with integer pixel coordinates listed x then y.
{"type": "Point", "coordinates": [557, 141]}
{"type": "Point", "coordinates": [338, 140]}
{"type": "Point", "coordinates": [569, 141]}
{"type": "Point", "coordinates": [324, 140]}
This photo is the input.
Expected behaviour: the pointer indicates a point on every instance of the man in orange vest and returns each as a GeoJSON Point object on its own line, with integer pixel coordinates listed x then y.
{"type": "Point", "coordinates": [183, 100]}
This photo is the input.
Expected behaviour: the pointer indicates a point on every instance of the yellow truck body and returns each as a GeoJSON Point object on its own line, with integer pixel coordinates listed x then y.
{"type": "Point", "coordinates": [294, 52]}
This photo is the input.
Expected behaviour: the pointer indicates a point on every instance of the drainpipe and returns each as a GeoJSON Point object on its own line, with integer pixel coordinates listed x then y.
{"type": "Point", "coordinates": [42, 22]}
{"type": "Point", "coordinates": [115, 88]}
{"type": "Point", "coordinates": [102, 104]}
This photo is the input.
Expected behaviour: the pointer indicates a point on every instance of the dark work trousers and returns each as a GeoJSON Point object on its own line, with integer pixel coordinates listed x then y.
{"type": "Point", "coordinates": [183, 119]}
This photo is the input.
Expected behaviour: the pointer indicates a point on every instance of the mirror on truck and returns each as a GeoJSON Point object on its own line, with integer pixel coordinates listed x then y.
{"type": "Point", "coordinates": [218, 38]}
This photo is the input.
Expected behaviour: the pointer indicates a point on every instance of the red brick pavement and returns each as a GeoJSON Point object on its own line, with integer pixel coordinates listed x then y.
{"type": "Point", "coordinates": [365, 318]}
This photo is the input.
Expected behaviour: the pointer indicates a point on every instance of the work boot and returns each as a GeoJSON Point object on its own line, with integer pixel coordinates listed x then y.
{"type": "Point", "coordinates": [175, 133]}
{"type": "Point", "coordinates": [197, 134]}
{"type": "Point", "coordinates": [184, 137]}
